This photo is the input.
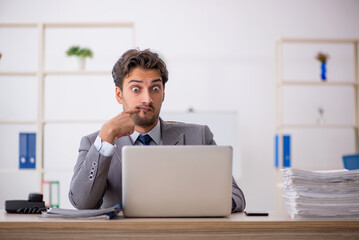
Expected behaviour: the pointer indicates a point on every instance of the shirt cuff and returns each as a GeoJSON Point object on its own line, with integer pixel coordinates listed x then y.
{"type": "Point", "coordinates": [104, 148]}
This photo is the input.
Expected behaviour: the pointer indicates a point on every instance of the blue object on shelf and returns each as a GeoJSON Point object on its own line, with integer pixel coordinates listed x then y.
{"type": "Point", "coordinates": [31, 150]}
{"type": "Point", "coordinates": [23, 150]}
{"type": "Point", "coordinates": [351, 162]}
{"type": "Point", "coordinates": [324, 71]}
{"type": "Point", "coordinates": [27, 150]}
{"type": "Point", "coordinates": [286, 151]}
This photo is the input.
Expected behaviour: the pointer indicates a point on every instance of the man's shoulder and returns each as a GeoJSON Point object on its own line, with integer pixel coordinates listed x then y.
{"type": "Point", "coordinates": [92, 136]}
{"type": "Point", "coordinates": [175, 124]}
{"type": "Point", "coordinates": [193, 134]}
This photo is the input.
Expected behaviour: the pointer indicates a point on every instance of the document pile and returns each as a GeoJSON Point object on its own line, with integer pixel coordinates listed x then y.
{"type": "Point", "coordinates": [109, 213]}
{"type": "Point", "coordinates": [321, 194]}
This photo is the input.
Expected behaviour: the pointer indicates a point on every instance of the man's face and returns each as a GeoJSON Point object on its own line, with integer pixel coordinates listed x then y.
{"type": "Point", "coordinates": [142, 89]}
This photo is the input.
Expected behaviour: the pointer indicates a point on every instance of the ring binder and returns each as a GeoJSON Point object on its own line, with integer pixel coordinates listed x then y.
{"type": "Point", "coordinates": [27, 150]}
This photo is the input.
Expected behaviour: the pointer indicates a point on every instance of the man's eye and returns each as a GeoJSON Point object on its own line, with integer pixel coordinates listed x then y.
{"type": "Point", "coordinates": [156, 89]}
{"type": "Point", "coordinates": [135, 89]}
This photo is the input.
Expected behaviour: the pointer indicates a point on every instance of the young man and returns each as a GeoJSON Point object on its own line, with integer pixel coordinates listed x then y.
{"type": "Point", "coordinates": [140, 78]}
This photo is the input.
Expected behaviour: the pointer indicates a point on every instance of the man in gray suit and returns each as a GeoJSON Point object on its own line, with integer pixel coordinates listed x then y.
{"type": "Point", "coordinates": [140, 78]}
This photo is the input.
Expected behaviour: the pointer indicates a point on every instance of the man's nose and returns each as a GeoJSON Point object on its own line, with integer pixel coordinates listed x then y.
{"type": "Point", "coordinates": [146, 97]}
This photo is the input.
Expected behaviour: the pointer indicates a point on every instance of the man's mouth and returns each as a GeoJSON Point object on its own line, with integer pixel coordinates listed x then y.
{"type": "Point", "coordinates": [145, 108]}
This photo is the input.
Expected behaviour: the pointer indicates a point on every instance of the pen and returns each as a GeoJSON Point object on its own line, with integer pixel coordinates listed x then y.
{"type": "Point", "coordinates": [115, 212]}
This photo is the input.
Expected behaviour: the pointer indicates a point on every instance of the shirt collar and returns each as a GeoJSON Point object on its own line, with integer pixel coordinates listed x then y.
{"type": "Point", "coordinates": [155, 134]}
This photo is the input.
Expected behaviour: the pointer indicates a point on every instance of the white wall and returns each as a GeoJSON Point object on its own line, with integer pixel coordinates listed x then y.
{"type": "Point", "coordinates": [220, 56]}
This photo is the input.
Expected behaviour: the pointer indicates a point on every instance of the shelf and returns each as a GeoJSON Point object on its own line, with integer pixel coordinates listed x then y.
{"type": "Point", "coordinates": [17, 122]}
{"type": "Point", "coordinates": [62, 73]}
{"type": "Point", "coordinates": [317, 126]}
{"type": "Point", "coordinates": [77, 73]}
{"type": "Point", "coordinates": [18, 73]}
{"type": "Point", "coordinates": [34, 170]}
{"type": "Point", "coordinates": [25, 170]}
{"type": "Point", "coordinates": [295, 82]}
{"type": "Point", "coordinates": [317, 40]}
{"type": "Point", "coordinates": [68, 170]}
{"type": "Point", "coordinates": [69, 24]}
{"type": "Point", "coordinates": [42, 74]}
{"type": "Point", "coordinates": [90, 25]}
{"type": "Point", "coordinates": [18, 24]}
{"type": "Point", "coordinates": [74, 121]}
{"type": "Point", "coordinates": [317, 83]}
{"type": "Point", "coordinates": [54, 121]}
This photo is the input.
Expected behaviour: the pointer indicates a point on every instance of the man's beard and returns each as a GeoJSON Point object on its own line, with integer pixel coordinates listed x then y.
{"type": "Point", "coordinates": [145, 122]}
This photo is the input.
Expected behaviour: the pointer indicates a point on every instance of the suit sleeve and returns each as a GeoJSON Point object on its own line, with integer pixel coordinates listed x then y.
{"type": "Point", "coordinates": [238, 200]}
{"type": "Point", "coordinates": [88, 183]}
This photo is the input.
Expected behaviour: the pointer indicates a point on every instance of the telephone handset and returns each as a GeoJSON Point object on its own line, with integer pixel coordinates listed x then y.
{"type": "Point", "coordinates": [34, 205]}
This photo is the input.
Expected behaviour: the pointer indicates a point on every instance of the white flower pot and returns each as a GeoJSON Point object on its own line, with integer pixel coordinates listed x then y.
{"type": "Point", "coordinates": [79, 63]}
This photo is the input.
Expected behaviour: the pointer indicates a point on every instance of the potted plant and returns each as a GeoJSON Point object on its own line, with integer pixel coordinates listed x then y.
{"type": "Point", "coordinates": [80, 55]}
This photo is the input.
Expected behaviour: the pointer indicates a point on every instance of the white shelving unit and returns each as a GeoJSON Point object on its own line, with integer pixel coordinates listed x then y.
{"type": "Point", "coordinates": [281, 83]}
{"type": "Point", "coordinates": [41, 74]}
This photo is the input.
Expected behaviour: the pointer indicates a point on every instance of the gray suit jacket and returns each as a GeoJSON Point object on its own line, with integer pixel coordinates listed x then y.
{"type": "Point", "coordinates": [97, 179]}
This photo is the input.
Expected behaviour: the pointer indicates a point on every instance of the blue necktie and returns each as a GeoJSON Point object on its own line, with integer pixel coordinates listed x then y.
{"type": "Point", "coordinates": [145, 139]}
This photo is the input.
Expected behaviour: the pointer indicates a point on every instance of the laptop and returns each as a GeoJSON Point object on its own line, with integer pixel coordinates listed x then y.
{"type": "Point", "coordinates": [176, 181]}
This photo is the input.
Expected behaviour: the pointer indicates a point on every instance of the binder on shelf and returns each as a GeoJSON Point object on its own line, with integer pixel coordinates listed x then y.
{"type": "Point", "coordinates": [23, 150]}
{"type": "Point", "coordinates": [55, 194]}
{"type": "Point", "coordinates": [27, 150]}
{"type": "Point", "coordinates": [51, 193]}
{"type": "Point", "coordinates": [286, 151]}
{"type": "Point", "coordinates": [31, 137]}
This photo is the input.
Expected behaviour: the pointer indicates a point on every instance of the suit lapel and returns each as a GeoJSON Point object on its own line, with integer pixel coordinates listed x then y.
{"type": "Point", "coordinates": [170, 134]}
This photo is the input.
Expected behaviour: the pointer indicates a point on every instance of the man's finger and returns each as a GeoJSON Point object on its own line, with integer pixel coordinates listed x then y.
{"type": "Point", "coordinates": [131, 112]}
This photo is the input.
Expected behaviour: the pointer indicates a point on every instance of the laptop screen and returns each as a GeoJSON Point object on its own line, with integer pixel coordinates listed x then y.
{"type": "Point", "coordinates": [176, 181]}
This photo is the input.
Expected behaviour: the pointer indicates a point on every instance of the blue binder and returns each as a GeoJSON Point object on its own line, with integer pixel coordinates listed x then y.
{"type": "Point", "coordinates": [286, 151]}
{"type": "Point", "coordinates": [27, 150]}
{"type": "Point", "coordinates": [31, 150]}
{"type": "Point", "coordinates": [23, 150]}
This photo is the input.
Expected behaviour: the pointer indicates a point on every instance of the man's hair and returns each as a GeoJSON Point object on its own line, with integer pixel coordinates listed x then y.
{"type": "Point", "coordinates": [137, 58]}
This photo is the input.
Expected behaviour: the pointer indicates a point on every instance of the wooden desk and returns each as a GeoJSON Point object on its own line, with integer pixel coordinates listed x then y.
{"type": "Point", "coordinates": [237, 226]}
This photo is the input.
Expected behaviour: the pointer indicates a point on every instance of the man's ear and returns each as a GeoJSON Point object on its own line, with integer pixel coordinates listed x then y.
{"type": "Point", "coordinates": [118, 95]}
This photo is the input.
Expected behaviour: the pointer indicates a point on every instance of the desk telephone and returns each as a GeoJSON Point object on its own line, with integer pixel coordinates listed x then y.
{"type": "Point", "coordinates": [34, 205]}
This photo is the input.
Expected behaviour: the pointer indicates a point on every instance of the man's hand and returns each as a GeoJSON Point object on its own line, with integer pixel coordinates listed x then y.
{"type": "Point", "coordinates": [119, 126]}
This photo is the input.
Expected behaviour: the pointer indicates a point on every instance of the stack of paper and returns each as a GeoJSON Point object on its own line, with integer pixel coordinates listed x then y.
{"type": "Point", "coordinates": [319, 194]}
{"type": "Point", "coordinates": [88, 213]}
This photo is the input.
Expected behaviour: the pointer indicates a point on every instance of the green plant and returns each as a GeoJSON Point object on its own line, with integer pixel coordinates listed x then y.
{"type": "Point", "coordinates": [79, 52]}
